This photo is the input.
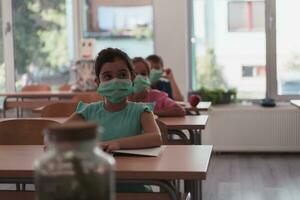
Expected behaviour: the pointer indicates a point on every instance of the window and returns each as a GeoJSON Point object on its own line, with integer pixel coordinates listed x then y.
{"type": "Point", "coordinates": [223, 59]}
{"type": "Point", "coordinates": [242, 54]}
{"type": "Point", "coordinates": [119, 24]}
{"type": "Point", "coordinates": [288, 47]}
{"type": "Point", "coordinates": [246, 16]}
{"type": "Point", "coordinates": [247, 71]}
{"type": "Point", "coordinates": [40, 42]}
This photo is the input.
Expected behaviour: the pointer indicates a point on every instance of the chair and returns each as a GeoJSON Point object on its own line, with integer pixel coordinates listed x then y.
{"type": "Point", "coordinates": [26, 88]}
{"type": "Point", "coordinates": [36, 88]}
{"type": "Point", "coordinates": [60, 109]}
{"type": "Point", "coordinates": [64, 87]}
{"type": "Point", "coordinates": [87, 97]}
{"type": "Point", "coordinates": [23, 131]}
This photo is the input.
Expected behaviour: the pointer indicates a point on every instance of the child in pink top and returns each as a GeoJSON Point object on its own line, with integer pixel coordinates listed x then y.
{"type": "Point", "coordinates": [164, 106]}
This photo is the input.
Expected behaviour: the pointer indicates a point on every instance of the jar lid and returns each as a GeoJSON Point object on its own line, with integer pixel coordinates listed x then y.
{"type": "Point", "coordinates": [75, 131]}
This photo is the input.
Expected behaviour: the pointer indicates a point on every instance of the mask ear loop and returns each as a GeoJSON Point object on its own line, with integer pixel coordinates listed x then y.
{"type": "Point", "coordinates": [97, 81]}
{"type": "Point", "coordinates": [133, 74]}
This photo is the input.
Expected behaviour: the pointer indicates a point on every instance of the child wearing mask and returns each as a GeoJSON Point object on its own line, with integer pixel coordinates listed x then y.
{"type": "Point", "coordinates": [126, 125]}
{"type": "Point", "coordinates": [164, 83]}
{"type": "Point", "coordinates": [164, 106]}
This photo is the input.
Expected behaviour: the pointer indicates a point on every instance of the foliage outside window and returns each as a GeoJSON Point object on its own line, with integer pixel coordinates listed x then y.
{"type": "Point", "coordinates": [212, 84]}
{"type": "Point", "coordinates": [40, 40]}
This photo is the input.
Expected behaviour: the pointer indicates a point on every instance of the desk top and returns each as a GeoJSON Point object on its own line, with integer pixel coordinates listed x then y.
{"type": "Point", "coordinates": [56, 119]}
{"type": "Point", "coordinates": [296, 103]}
{"type": "Point", "coordinates": [186, 122]}
{"type": "Point", "coordinates": [202, 106]}
{"type": "Point", "coordinates": [17, 162]}
{"type": "Point", "coordinates": [41, 94]}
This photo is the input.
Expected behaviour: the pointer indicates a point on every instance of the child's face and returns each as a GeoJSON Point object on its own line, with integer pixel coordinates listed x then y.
{"type": "Point", "coordinates": [116, 69]}
{"type": "Point", "coordinates": [141, 69]}
{"type": "Point", "coordinates": [155, 65]}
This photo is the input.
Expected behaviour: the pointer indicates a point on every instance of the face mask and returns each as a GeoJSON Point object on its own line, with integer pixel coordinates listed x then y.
{"type": "Point", "coordinates": [155, 75]}
{"type": "Point", "coordinates": [116, 90]}
{"type": "Point", "coordinates": [140, 83]}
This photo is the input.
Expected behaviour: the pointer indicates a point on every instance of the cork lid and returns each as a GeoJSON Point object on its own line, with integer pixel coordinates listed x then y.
{"type": "Point", "coordinates": [76, 131]}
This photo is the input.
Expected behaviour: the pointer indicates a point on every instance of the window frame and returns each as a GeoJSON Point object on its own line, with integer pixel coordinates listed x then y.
{"type": "Point", "coordinates": [271, 62]}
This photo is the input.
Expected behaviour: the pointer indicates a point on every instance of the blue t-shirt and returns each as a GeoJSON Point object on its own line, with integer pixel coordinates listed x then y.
{"type": "Point", "coordinates": [164, 86]}
{"type": "Point", "coordinates": [120, 124]}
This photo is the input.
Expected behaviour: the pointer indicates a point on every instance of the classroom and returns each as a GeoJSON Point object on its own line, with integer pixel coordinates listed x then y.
{"type": "Point", "coordinates": [149, 99]}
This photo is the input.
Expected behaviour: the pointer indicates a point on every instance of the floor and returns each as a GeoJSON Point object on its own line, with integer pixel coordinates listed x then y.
{"type": "Point", "coordinates": [253, 177]}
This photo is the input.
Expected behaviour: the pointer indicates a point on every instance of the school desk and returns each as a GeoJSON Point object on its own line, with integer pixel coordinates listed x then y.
{"type": "Point", "coordinates": [60, 120]}
{"type": "Point", "coordinates": [193, 123]}
{"type": "Point", "coordinates": [295, 103]}
{"type": "Point", "coordinates": [177, 162]}
{"type": "Point", "coordinates": [203, 106]}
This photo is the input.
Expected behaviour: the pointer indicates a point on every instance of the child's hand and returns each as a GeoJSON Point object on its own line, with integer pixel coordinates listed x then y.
{"type": "Point", "coordinates": [45, 148]}
{"type": "Point", "coordinates": [168, 74]}
{"type": "Point", "coordinates": [110, 146]}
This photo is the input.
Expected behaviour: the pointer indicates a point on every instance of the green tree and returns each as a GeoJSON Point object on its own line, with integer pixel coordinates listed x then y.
{"type": "Point", "coordinates": [210, 74]}
{"type": "Point", "coordinates": [39, 31]}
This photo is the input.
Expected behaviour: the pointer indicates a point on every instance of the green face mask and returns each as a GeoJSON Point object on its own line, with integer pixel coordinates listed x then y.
{"type": "Point", "coordinates": [140, 83]}
{"type": "Point", "coordinates": [116, 90]}
{"type": "Point", "coordinates": [155, 75]}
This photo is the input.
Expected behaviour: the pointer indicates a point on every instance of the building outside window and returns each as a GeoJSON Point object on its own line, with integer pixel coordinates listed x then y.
{"type": "Point", "coordinates": [123, 24]}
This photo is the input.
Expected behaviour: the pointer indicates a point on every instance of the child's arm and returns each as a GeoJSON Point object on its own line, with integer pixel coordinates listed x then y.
{"type": "Point", "coordinates": [172, 111]}
{"type": "Point", "coordinates": [165, 106]}
{"type": "Point", "coordinates": [177, 96]}
{"type": "Point", "coordinates": [74, 118]}
{"type": "Point", "coordinates": [149, 138]}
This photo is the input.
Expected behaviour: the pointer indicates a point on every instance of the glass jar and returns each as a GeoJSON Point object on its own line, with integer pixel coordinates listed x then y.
{"type": "Point", "coordinates": [73, 167]}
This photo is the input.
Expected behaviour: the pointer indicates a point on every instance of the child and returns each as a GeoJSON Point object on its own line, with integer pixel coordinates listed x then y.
{"type": "Point", "coordinates": [164, 106]}
{"type": "Point", "coordinates": [169, 86]}
{"type": "Point", "coordinates": [126, 125]}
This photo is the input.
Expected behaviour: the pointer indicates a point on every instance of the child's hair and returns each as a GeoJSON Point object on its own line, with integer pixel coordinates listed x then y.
{"type": "Point", "coordinates": [110, 55]}
{"type": "Point", "coordinates": [142, 60]}
{"type": "Point", "coordinates": [156, 59]}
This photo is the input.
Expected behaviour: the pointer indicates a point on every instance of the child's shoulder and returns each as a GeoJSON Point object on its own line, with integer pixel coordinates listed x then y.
{"type": "Point", "coordinates": [140, 107]}
{"type": "Point", "coordinates": [94, 105]}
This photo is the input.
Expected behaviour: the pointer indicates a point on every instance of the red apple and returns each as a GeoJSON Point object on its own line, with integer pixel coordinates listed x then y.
{"type": "Point", "coordinates": [194, 100]}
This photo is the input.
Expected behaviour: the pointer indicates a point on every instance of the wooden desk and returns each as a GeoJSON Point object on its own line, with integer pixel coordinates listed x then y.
{"type": "Point", "coordinates": [203, 106]}
{"type": "Point", "coordinates": [60, 120]}
{"type": "Point", "coordinates": [192, 166]}
{"type": "Point", "coordinates": [295, 103]}
{"type": "Point", "coordinates": [194, 124]}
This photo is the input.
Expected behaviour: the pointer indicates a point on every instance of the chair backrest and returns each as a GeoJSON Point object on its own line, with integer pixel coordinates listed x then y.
{"type": "Point", "coordinates": [60, 109]}
{"type": "Point", "coordinates": [36, 87]}
{"type": "Point", "coordinates": [23, 131]}
{"type": "Point", "coordinates": [65, 87]}
{"type": "Point", "coordinates": [87, 97]}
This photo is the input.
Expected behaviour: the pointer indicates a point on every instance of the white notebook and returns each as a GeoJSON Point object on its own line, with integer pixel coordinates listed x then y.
{"type": "Point", "coordinates": [152, 152]}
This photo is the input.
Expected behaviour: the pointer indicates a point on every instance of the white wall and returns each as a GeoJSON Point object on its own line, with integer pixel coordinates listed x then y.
{"type": "Point", "coordinates": [171, 38]}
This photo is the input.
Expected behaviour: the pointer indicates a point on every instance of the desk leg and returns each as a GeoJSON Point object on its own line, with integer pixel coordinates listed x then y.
{"type": "Point", "coordinates": [195, 137]}
{"type": "Point", "coordinates": [165, 185]}
{"type": "Point", "coordinates": [192, 136]}
{"type": "Point", "coordinates": [195, 189]}
{"type": "Point", "coordinates": [199, 137]}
